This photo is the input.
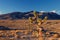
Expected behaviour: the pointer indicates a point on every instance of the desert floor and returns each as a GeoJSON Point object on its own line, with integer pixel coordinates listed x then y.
{"type": "Point", "coordinates": [20, 26]}
{"type": "Point", "coordinates": [24, 24]}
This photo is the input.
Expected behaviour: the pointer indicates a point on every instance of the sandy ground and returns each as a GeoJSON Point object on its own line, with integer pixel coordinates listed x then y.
{"type": "Point", "coordinates": [51, 25]}
{"type": "Point", "coordinates": [24, 24]}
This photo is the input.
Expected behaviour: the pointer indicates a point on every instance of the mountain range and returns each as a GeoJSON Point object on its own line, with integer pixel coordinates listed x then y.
{"type": "Point", "coordinates": [26, 15]}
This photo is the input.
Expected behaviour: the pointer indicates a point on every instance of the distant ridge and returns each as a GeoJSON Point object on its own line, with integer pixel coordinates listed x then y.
{"type": "Point", "coordinates": [26, 15]}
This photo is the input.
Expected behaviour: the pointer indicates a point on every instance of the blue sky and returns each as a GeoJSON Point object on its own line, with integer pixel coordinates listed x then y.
{"type": "Point", "coordinates": [7, 6]}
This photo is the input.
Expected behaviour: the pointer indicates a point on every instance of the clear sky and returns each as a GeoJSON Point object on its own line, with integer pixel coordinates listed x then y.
{"type": "Point", "coordinates": [7, 6]}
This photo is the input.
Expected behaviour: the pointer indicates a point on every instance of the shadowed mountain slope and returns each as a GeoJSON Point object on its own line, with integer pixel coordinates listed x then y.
{"type": "Point", "coordinates": [26, 15]}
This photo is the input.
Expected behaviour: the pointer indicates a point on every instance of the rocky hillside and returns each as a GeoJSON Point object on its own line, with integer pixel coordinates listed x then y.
{"type": "Point", "coordinates": [26, 15]}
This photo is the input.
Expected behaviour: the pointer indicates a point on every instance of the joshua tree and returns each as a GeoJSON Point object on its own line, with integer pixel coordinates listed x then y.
{"type": "Point", "coordinates": [38, 21]}
{"type": "Point", "coordinates": [35, 17]}
{"type": "Point", "coordinates": [35, 14]}
{"type": "Point", "coordinates": [45, 19]}
{"type": "Point", "coordinates": [30, 20]}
